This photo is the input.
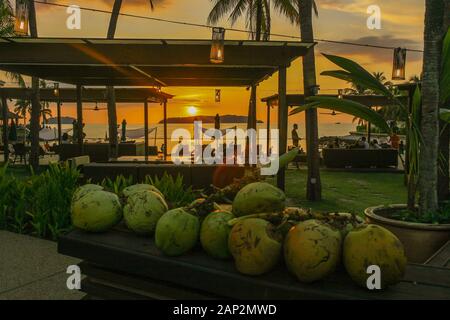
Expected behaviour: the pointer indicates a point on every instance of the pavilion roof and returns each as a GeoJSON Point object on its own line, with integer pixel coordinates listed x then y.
{"type": "Point", "coordinates": [123, 95]}
{"type": "Point", "coordinates": [294, 100]}
{"type": "Point", "coordinates": [146, 62]}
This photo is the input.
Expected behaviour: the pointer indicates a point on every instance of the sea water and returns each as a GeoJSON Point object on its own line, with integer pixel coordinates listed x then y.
{"type": "Point", "coordinates": [98, 132]}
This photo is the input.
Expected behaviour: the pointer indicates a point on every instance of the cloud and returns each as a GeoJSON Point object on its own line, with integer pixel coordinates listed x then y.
{"type": "Point", "coordinates": [399, 12]}
{"type": "Point", "coordinates": [375, 54]}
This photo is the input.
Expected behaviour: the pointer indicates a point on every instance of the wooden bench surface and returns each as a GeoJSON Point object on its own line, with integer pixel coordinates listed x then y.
{"type": "Point", "coordinates": [441, 258]}
{"type": "Point", "coordinates": [126, 253]}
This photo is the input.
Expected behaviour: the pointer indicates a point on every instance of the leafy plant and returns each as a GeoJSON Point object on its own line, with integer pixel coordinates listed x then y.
{"type": "Point", "coordinates": [12, 202]}
{"type": "Point", "coordinates": [49, 197]}
{"type": "Point", "coordinates": [117, 185]}
{"type": "Point", "coordinates": [174, 190]}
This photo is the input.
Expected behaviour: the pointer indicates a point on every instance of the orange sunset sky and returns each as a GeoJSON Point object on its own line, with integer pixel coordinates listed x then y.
{"type": "Point", "coordinates": [402, 26]}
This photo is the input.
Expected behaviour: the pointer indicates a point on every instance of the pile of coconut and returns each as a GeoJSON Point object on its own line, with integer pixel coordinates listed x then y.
{"type": "Point", "coordinates": [257, 233]}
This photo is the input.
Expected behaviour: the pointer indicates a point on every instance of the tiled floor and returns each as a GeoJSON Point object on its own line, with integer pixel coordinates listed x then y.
{"type": "Point", "coordinates": [31, 268]}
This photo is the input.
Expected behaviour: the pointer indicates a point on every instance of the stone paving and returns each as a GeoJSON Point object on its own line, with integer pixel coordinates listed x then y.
{"type": "Point", "coordinates": [31, 268]}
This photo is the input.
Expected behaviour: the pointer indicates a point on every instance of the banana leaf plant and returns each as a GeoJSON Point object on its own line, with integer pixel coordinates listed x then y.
{"type": "Point", "coordinates": [353, 72]}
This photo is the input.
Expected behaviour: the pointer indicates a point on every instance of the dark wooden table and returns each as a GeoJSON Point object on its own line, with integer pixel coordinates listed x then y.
{"type": "Point", "coordinates": [120, 265]}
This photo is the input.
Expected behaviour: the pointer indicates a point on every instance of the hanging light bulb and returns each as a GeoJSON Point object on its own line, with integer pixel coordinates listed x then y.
{"type": "Point", "coordinates": [21, 24]}
{"type": "Point", "coordinates": [399, 64]}
{"type": "Point", "coordinates": [217, 45]}
{"type": "Point", "coordinates": [56, 89]}
{"type": "Point", "coordinates": [341, 94]}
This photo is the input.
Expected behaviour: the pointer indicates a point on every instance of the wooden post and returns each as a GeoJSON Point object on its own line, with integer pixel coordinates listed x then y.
{"type": "Point", "coordinates": [35, 99]}
{"type": "Point", "coordinates": [58, 114]}
{"type": "Point", "coordinates": [165, 130]}
{"type": "Point", "coordinates": [112, 121]}
{"type": "Point", "coordinates": [268, 128]}
{"type": "Point", "coordinates": [146, 128]}
{"type": "Point", "coordinates": [5, 114]}
{"type": "Point", "coordinates": [282, 123]}
{"type": "Point", "coordinates": [80, 119]}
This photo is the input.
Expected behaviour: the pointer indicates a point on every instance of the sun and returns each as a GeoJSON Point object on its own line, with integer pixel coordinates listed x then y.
{"type": "Point", "coordinates": [192, 110]}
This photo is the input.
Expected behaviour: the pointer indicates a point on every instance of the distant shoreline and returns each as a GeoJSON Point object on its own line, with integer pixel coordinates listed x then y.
{"type": "Point", "coordinates": [209, 119]}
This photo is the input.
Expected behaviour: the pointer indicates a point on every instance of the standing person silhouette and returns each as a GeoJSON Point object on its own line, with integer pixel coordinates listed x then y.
{"type": "Point", "coordinates": [296, 142]}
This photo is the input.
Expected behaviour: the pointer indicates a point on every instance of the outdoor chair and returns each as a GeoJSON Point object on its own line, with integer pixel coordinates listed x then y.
{"type": "Point", "coordinates": [20, 151]}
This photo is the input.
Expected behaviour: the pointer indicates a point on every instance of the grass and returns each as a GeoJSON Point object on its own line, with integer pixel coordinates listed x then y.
{"type": "Point", "coordinates": [347, 191]}
{"type": "Point", "coordinates": [342, 191]}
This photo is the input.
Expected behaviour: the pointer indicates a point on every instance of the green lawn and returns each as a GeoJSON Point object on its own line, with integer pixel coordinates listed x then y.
{"type": "Point", "coordinates": [347, 192]}
{"type": "Point", "coordinates": [341, 191]}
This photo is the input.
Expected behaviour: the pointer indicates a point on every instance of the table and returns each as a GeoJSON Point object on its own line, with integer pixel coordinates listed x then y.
{"type": "Point", "coordinates": [121, 265]}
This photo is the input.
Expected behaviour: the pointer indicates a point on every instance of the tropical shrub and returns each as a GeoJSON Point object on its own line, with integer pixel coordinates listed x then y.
{"type": "Point", "coordinates": [175, 192]}
{"type": "Point", "coordinates": [39, 204]}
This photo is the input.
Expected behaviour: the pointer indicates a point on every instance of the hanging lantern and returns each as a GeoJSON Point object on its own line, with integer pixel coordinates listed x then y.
{"type": "Point", "coordinates": [217, 46]}
{"type": "Point", "coordinates": [21, 24]}
{"type": "Point", "coordinates": [399, 64]}
{"type": "Point", "coordinates": [217, 95]}
{"type": "Point", "coordinates": [56, 89]}
{"type": "Point", "coordinates": [341, 94]}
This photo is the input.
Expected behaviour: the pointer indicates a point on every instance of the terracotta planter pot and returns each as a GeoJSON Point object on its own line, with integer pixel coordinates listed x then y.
{"type": "Point", "coordinates": [420, 240]}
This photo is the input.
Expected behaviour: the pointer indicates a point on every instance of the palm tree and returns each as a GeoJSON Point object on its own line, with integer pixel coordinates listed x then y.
{"type": "Point", "coordinates": [257, 14]}
{"type": "Point", "coordinates": [313, 185]}
{"type": "Point", "coordinates": [112, 115]}
{"type": "Point", "coordinates": [6, 19]}
{"type": "Point", "coordinates": [46, 112]}
{"type": "Point", "coordinates": [428, 159]}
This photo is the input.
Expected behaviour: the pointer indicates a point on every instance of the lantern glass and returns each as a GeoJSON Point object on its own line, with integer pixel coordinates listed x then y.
{"type": "Point", "coordinates": [217, 95]}
{"type": "Point", "coordinates": [217, 46]}
{"type": "Point", "coordinates": [56, 89]}
{"type": "Point", "coordinates": [21, 24]}
{"type": "Point", "coordinates": [399, 64]}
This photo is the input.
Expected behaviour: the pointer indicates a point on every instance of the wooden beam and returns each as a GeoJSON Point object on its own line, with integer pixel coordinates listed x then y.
{"type": "Point", "coordinates": [123, 54]}
{"type": "Point", "coordinates": [123, 95]}
{"type": "Point", "coordinates": [5, 113]}
{"type": "Point", "coordinates": [146, 129]}
{"type": "Point", "coordinates": [80, 120]}
{"type": "Point", "coordinates": [282, 123]}
{"type": "Point", "coordinates": [165, 130]}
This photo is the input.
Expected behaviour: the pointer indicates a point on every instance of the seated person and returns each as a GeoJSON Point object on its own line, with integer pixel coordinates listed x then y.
{"type": "Point", "coordinates": [362, 143]}
{"type": "Point", "coordinates": [375, 144]}
{"type": "Point", "coordinates": [65, 138]}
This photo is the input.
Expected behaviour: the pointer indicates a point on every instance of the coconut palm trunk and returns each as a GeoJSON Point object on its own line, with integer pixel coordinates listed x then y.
{"type": "Point", "coordinates": [35, 103]}
{"type": "Point", "coordinates": [428, 159]}
{"type": "Point", "coordinates": [444, 139]}
{"type": "Point", "coordinates": [112, 112]}
{"type": "Point", "coordinates": [314, 186]}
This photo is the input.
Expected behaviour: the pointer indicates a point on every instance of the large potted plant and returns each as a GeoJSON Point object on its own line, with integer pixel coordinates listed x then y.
{"type": "Point", "coordinates": [422, 232]}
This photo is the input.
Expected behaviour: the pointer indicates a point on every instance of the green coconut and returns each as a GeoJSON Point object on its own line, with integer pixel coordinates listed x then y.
{"type": "Point", "coordinates": [84, 190]}
{"type": "Point", "coordinates": [312, 250]}
{"type": "Point", "coordinates": [258, 197]}
{"type": "Point", "coordinates": [255, 246]}
{"type": "Point", "coordinates": [129, 191]}
{"type": "Point", "coordinates": [142, 211]}
{"type": "Point", "coordinates": [374, 245]}
{"type": "Point", "coordinates": [214, 234]}
{"type": "Point", "coordinates": [96, 211]}
{"type": "Point", "coordinates": [177, 232]}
